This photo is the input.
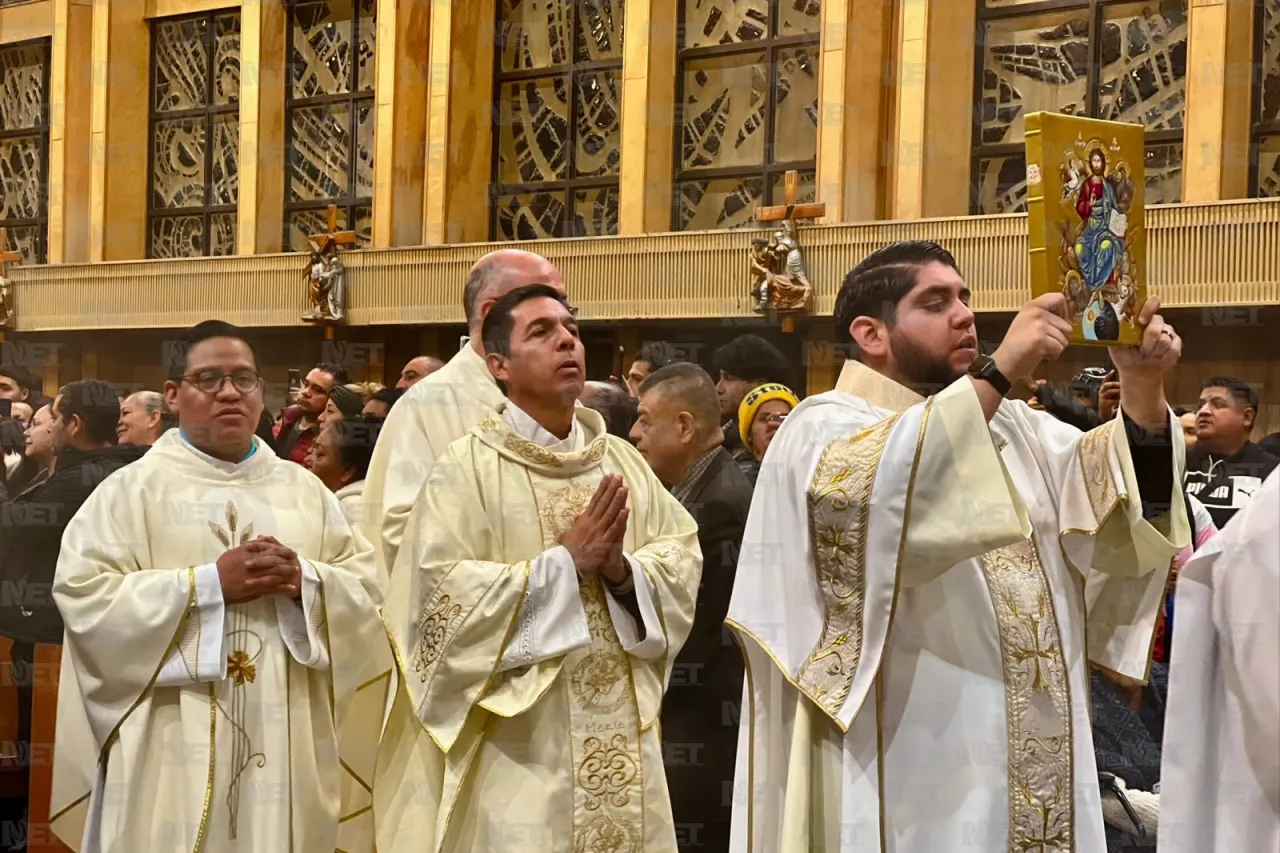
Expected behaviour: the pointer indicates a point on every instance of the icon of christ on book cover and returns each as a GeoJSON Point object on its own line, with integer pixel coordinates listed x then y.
{"type": "Point", "coordinates": [1087, 229]}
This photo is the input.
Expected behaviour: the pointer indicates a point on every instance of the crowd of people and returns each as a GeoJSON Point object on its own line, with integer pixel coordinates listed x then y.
{"type": "Point", "coordinates": [680, 609]}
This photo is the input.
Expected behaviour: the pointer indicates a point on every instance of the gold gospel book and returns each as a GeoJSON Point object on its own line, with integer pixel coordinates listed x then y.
{"type": "Point", "coordinates": [1088, 236]}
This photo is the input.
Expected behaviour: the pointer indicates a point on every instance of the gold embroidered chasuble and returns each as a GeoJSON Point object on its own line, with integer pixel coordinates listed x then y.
{"type": "Point", "coordinates": [188, 725]}
{"type": "Point", "coordinates": [920, 592]}
{"type": "Point", "coordinates": [508, 733]}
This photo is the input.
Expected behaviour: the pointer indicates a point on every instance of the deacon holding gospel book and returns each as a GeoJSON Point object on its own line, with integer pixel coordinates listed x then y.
{"type": "Point", "coordinates": [917, 655]}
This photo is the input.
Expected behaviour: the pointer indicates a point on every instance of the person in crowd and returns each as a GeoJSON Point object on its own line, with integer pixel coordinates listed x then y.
{"type": "Point", "coordinates": [298, 426]}
{"type": "Point", "coordinates": [1087, 384]}
{"type": "Point", "coordinates": [761, 413]}
{"type": "Point", "coordinates": [343, 402]}
{"type": "Point", "coordinates": [19, 384]}
{"type": "Point", "coordinates": [215, 589]}
{"type": "Point", "coordinates": [1220, 778]}
{"type": "Point", "coordinates": [1226, 469]}
{"type": "Point", "coordinates": [612, 403]}
{"type": "Point", "coordinates": [443, 407]}
{"type": "Point", "coordinates": [1187, 418]}
{"type": "Point", "coordinates": [746, 362]}
{"type": "Point", "coordinates": [143, 418]}
{"type": "Point", "coordinates": [654, 355]}
{"type": "Point", "coordinates": [38, 455]}
{"type": "Point", "coordinates": [21, 411]}
{"type": "Point", "coordinates": [678, 433]}
{"type": "Point", "coordinates": [565, 574]}
{"type": "Point", "coordinates": [916, 494]}
{"type": "Point", "coordinates": [379, 405]}
{"type": "Point", "coordinates": [81, 437]}
{"type": "Point", "coordinates": [340, 458]}
{"type": "Point", "coordinates": [416, 369]}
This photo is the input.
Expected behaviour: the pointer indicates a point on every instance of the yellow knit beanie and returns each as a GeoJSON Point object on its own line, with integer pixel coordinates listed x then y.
{"type": "Point", "coordinates": [754, 400]}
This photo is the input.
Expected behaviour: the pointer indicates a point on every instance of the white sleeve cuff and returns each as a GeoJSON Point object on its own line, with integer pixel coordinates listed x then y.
{"type": "Point", "coordinates": [302, 624]}
{"type": "Point", "coordinates": [199, 655]}
{"type": "Point", "coordinates": [552, 620]}
{"type": "Point", "coordinates": [654, 644]}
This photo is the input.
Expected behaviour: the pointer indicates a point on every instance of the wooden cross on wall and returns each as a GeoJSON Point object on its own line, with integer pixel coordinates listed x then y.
{"type": "Point", "coordinates": [791, 211]}
{"type": "Point", "coordinates": [5, 255]}
{"type": "Point", "coordinates": [332, 237]}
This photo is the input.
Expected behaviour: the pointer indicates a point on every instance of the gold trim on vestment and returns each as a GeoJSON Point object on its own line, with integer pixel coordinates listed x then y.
{"type": "Point", "coordinates": [1037, 702]}
{"type": "Point", "coordinates": [1094, 451]}
{"type": "Point", "coordinates": [604, 717]}
{"type": "Point", "coordinates": [213, 762]}
{"type": "Point", "coordinates": [354, 775]}
{"type": "Point", "coordinates": [66, 809]}
{"type": "Point", "coordinates": [355, 814]}
{"type": "Point", "coordinates": [839, 499]}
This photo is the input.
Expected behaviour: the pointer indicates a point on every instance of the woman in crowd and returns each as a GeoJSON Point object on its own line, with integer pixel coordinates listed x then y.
{"type": "Point", "coordinates": [345, 401]}
{"type": "Point", "coordinates": [340, 458]}
{"type": "Point", "coordinates": [759, 416]}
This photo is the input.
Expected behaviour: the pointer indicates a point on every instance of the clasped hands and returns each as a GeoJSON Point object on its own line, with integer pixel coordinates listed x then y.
{"type": "Point", "coordinates": [260, 567]}
{"type": "Point", "coordinates": [594, 540]}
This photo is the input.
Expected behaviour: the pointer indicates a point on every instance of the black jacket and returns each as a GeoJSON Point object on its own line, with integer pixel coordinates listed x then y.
{"type": "Point", "coordinates": [1226, 483]}
{"type": "Point", "coordinates": [31, 528]}
{"type": "Point", "coordinates": [700, 711]}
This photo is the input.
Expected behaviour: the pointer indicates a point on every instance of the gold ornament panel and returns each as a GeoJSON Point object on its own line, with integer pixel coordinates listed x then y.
{"type": "Point", "coordinates": [595, 212]}
{"type": "Point", "coordinates": [181, 69]}
{"type": "Point", "coordinates": [799, 17]}
{"type": "Point", "coordinates": [598, 135]}
{"type": "Point", "coordinates": [710, 22]}
{"type": "Point", "coordinates": [1143, 75]}
{"type": "Point", "coordinates": [1164, 173]}
{"type": "Point", "coordinates": [796, 105]}
{"type": "Point", "coordinates": [530, 216]}
{"type": "Point", "coordinates": [723, 111]}
{"type": "Point", "coordinates": [1269, 63]}
{"type": "Point", "coordinates": [178, 164]}
{"type": "Point", "coordinates": [533, 137]}
{"type": "Point", "coordinates": [21, 166]}
{"type": "Point", "coordinates": [185, 236]}
{"type": "Point", "coordinates": [722, 203]}
{"type": "Point", "coordinates": [534, 33]}
{"type": "Point", "coordinates": [27, 241]}
{"type": "Point", "coordinates": [319, 159]}
{"type": "Point", "coordinates": [600, 30]}
{"type": "Point", "coordinates": [23, 98]}
{"type": "Point", "coordinates": [324, 42]}
{"type": "Point", "coordinates": [1267, 182]}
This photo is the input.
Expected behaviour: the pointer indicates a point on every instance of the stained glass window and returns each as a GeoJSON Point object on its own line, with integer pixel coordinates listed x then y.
{"type": "Point", "coordinates": [24, 147]}
{"type": "Point", "coordinates": [558, 141]}
{"type": "Point", "coordinates": [1266, 137]}
{"type": "Point", "coordinates": [1111, 59]}
{"type": "Point", "coordinates": [195, 135]}
{"type": "Point", "coordinates": [330, 118]}
{"type": "Point", "coordinates": [747, 108]}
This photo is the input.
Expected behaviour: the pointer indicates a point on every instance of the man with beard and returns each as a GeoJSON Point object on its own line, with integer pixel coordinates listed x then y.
{"type": "Point", "coordinates": [913, 596]}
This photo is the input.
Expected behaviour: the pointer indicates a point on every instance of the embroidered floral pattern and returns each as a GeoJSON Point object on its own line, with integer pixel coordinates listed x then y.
{"type": "Point", "coordinates": [239, 669]}
{"type": "Point", "coordinates": [1037, 702]}
{"type": "Point", "coordinates": [434, 631]}
{"type": "Point", "coordinates": [839, 500]}
{"type": "Point", "coordinates": [1095, 465]}
{"type": "Point", "coordinates": [607, 771]}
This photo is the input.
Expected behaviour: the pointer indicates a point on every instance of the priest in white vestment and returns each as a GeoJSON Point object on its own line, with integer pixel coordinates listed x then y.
{"type": "Point", "coordinates": [220, 615]}
{"type": "Point", "coordinates": [923, 579]}
{"type": "Point", "coordinates": [545, 586]}
{"type": "Point", "coordinates": [1220, 769]}
{"type": "Point", "coordinates": [439, 409]}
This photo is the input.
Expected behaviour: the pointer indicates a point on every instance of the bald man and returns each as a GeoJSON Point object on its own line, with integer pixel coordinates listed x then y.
{"type": "Point", "coordinates": [441, 408]}
{"type": "Point", "coordinates": [417, 369]}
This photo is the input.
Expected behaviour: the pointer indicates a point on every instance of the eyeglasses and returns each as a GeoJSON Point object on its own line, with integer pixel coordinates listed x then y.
{"type": "Point", "coordinates": [244, 381]}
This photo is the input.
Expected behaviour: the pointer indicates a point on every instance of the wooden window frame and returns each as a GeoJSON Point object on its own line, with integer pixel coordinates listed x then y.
{"type": "Point", "coordinates": [770, 171]}
{"type": "Point", "coordinates": [354, 98]}
{"type": "Point", "coordinates": [41, 222]}
{"type": "Point", "coordinates": [1096, 12]}
{"type": "Point", "coordinates": [570, 72]}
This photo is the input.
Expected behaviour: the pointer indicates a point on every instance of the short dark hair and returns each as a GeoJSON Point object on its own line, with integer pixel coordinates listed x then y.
{"type": "Point", "coordinates": [25, 379]}
{"type": "Point", "coordinates": [498, 325]}
{"type": "Point", "coordinates": [356, 438]}
{"type": "Point", "coordinates": [390, 396]}
{"type": "Point", "coordinates": [1243, 391]}
{"type": "Point", "coordinates": [690, 384]}
{"type": "Point", "coordinates": [337, 371]}
{"type": "Point", "coordinates": [614, 404]}
{"type": "Point", "coordinates": [658, 354]}
{"type": "Point", "coordinates": [752, 357]}
{"type": "Point", "coordinates": [97, 405]}
{"type": "Point", "coordinates": [1179, 411]}
{"type": "Point", "coordinates": [181, 347]}
{"type": "Point", "coordinates": [875, 286]}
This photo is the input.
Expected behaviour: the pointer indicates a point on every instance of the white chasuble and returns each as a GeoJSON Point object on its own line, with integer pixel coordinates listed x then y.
{"type": "Point", "coordinates": [188, 725]}
{"type": "Point", "coordinates": [530, 696]}
{"type": "Point", "coordinates": [1220, 770]}
{"type": "Point", "coordinates": [431, 415]}
{"type": "Point", "coordinates": [918, 594]}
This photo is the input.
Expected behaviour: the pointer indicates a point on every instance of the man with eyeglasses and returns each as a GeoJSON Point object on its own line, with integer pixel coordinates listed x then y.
{"type": "Point", "coordinates": [219, 615]}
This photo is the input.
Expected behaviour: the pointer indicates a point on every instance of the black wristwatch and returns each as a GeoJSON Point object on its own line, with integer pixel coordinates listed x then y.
{"type": "Point", "coordinates": [984, 368]}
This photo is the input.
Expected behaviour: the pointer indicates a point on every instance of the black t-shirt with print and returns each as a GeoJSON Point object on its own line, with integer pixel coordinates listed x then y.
{"type": "Point", "coordinates": [1224, 484]}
